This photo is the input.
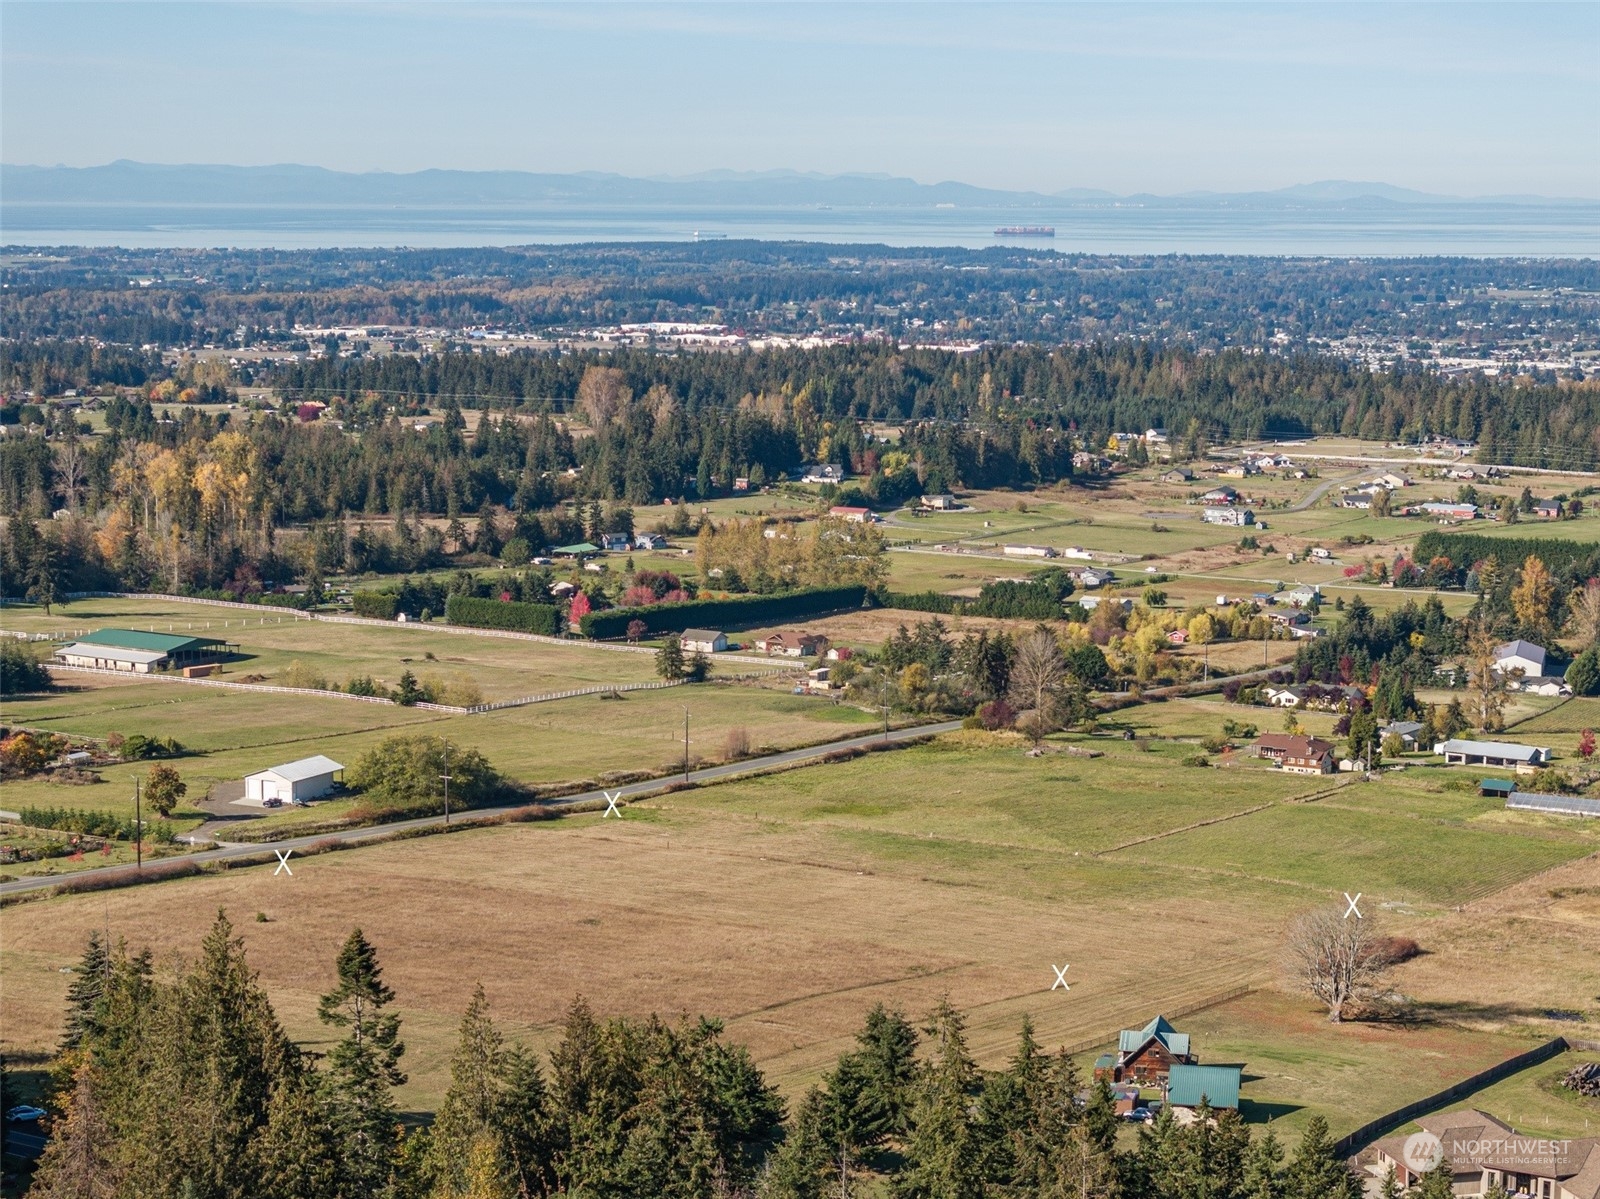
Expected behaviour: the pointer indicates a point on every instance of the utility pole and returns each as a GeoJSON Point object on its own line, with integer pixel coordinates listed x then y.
{"type": "Point", "coordinates": [1206, 676]}
{"type": "Point", "coordinates": [885, 699]}
{"type": "Point", "coordinates": [138, 827]}
{"type": "Point", "coordinates": [445, 777]}
{"type": "Point", "coordinates": [686, 743]}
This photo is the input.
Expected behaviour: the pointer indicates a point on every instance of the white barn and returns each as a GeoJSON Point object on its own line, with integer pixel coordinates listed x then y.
{"type": "Point", "coordinates": [293, 782]}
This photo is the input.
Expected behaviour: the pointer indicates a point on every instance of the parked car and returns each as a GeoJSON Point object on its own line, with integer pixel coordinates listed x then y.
{"type": "Point", "coordinates": [25, 1114]}
{"type": "Point", "coordinates": [272, 802]}
{"type": "Point", "coordinates": [544, 561]}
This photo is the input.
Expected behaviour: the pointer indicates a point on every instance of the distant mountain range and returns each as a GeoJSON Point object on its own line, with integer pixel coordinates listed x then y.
{"type": "Point", "coordinates": [292, 185]}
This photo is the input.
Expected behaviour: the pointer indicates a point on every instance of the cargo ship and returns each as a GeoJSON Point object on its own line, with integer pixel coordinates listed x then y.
{"type": "Point", "coordinates": [1025, 231]}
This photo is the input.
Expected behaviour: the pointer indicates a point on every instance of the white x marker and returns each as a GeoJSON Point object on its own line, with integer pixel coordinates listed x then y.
{"type": "Point", "coordinates": [1061, 977]}
{"type": "Point", "coordinates": [283, 862]}
{"type": "Point", "coordinates": [611, 805]}
{"type": "Point", "coordinates": [1352, 907]}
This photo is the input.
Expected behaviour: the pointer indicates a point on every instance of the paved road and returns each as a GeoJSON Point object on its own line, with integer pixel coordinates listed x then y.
{"type": "Point", "coordinates": [356, 836]}
{"type": "Point", "coordinates": [1322, 489]}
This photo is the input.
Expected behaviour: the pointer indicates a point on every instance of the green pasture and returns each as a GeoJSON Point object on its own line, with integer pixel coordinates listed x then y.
{"type": "Point", "coordinates": [500, 667]}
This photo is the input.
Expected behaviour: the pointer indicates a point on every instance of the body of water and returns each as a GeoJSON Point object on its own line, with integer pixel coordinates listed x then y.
{"type": "Point", "coordinates": [1571, 230]}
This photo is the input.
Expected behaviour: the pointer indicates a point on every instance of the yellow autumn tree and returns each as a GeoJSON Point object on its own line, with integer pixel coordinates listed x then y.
{"type": "Point", "coordinates": [1533, 599]}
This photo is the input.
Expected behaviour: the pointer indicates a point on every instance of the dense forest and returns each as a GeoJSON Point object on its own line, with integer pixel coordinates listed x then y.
{"type": "Point", "coordinates": [174, 297]}
{"type": "Point", "coordinates": [179, 1080]}
{"type": "Point", "coordinates": [1092, 390]}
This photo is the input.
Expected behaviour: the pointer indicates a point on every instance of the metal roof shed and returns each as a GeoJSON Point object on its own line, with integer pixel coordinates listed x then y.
{"type": "Point", "coordinates": [306, 779]}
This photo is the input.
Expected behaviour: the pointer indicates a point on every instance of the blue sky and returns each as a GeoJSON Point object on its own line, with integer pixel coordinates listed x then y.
{"type": "Point", "coordinates": [1458, 98]}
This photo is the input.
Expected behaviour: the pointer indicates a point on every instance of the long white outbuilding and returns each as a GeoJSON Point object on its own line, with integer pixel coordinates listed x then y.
{"type": "Point", "coordinates": [309, 778]}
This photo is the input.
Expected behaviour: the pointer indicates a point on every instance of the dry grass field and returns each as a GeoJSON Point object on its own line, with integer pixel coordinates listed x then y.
{"type": "Point", "coordinates": [787, 905]}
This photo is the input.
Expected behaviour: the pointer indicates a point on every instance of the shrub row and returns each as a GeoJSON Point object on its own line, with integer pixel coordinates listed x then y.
{"type": "Point", "coordinates": [720, 613]}
{"type": "Point", "coordinates": [77, 820]}
{"type": "Point", "coordinates": [375, 605]}
{"type": "Point", "coordinates": [921, 601]}
{"type": "Point", "coordinates": [497, 614]}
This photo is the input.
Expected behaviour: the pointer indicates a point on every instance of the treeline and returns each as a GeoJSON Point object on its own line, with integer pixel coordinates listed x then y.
{"type": "Point", "coordinates": [1037, 598]}
{"type": "Point", "coordinates": [1091, 389]}
{"type": "Point", "coordinates": [1003, 293]}
{"type": "Point", "coordinates": [180, 1082]}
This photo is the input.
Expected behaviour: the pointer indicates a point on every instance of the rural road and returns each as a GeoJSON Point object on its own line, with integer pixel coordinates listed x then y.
{"type": "Point", "coordinates": [356, 836]}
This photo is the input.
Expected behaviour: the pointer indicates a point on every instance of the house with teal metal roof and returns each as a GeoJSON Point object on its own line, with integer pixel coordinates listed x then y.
{"type": "Point", "coordinates": [1145, 1055]}
{"type": "Point", "coordinates": [1188, 1086]}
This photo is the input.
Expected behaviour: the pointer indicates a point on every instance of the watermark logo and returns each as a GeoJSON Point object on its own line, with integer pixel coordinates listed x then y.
{"type": "Point", "coordinates": [611, 805]}
{"type": "Point", "coordinates": [1352, 903]}
{"type": "Point", "coordinates": [283, 862]}
{"type": "Point", "coordinates": [1061, 977]}
{"type": "Point", "coordinates": [1422, 1152]}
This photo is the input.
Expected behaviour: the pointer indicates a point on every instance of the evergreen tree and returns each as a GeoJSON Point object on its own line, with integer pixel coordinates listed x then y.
{"type": "Point", "coordinates": [1315, 1171]}
{"type": "Point", "coordinates": [1391, 1185]}
{"type": "Point", "coordinates": [1100, 1117]}
{"type": "Point", "coordinates": [299, 1151]}
{"type": "Point", "coordinates": [669, 658]}
{"type": "Point", "coordinates": [85, 992]}
{"type": "Point", "coordinates": [868, 1093]}
{"type": "Point", "coordinates": [363, 1066]}
{"type": "Point", "coordinates": [1438, 1183]}
{"type": "Point", "coordinates": [802, 1167]}
{"type": "Point", "coordinates": [1263, 1175]}
{"type": "Point", "coordinates": [472, 1107]}
{"type": "Point", "coordinates": [527, 1123]}
{"type": "Point", "coordinates": [942, 1152]}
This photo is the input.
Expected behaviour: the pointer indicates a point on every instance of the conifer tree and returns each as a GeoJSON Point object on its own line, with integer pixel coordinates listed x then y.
{"type": "Point", "coordinates": [85, 992]}
{"type": "Point", "coordinates": [803, 1167]}
{"type": "Point", "coordinates": [1315, 1172]}
{"type": "Point", "coordinates": [943, 1156]}
{"type": "Point", "coordinates": [363, 1066]}
{"type": "Point", "coordinates": [1439, 1182]}
{"type": "Point", "coordinates": [1390, 1188]}
{"type": "Point", "coordinates": [79, 1160]}
{"type": "Point", "coordinates": [298, 1152]}
{"type": "Point", "coordinates": [472, 1106]}
{"type": "Point", "coordinates": [1263, 1175]}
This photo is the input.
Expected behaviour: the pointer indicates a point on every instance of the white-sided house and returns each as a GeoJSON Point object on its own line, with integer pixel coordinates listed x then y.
{"type": "Point", "coordinates": [703, 641]}
{"type": "Point", "coordinates": [1228, 515]}
{"type": "Point", "coordinates": [1520, 655]}
{"type": "Point", "coordinates": [293, 782]}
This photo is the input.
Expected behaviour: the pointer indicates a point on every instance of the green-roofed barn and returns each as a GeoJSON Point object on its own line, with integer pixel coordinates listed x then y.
{"type": "Point", "coordinates": [137, 651]}
{"type": "Point", "coordinates": [1187, 1086]}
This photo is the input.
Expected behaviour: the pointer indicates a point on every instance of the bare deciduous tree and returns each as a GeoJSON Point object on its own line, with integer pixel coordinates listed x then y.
{"type": "Point", "coordinates": [1585, 608]}
{"type": "Point", "coordinates": [1038, 678]}
{"type": "Point", "coordinates": [1338, 957]}
{"type": "Point", "coordinates": [602, 395]}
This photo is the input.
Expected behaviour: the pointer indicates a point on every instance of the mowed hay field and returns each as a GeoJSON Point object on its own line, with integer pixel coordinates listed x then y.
{"type": "Point", "coordinates": [500, 667]}
{"type": "Point", "coordinates": [788, 904]}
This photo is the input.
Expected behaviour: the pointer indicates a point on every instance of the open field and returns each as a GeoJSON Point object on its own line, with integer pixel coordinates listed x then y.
{"type": "Point", "coordinates": [502, 668]}
{"type": "Point", "coordinates": [789, 904]}
{"type": "Point", "coordinates": [1295, 1064]}
{"type": "Point", "coordinates": [1532, 1102]}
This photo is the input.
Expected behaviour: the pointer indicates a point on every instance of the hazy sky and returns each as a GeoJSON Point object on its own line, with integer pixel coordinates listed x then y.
{"type": "Point", "coordinates": [1461, 98]}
